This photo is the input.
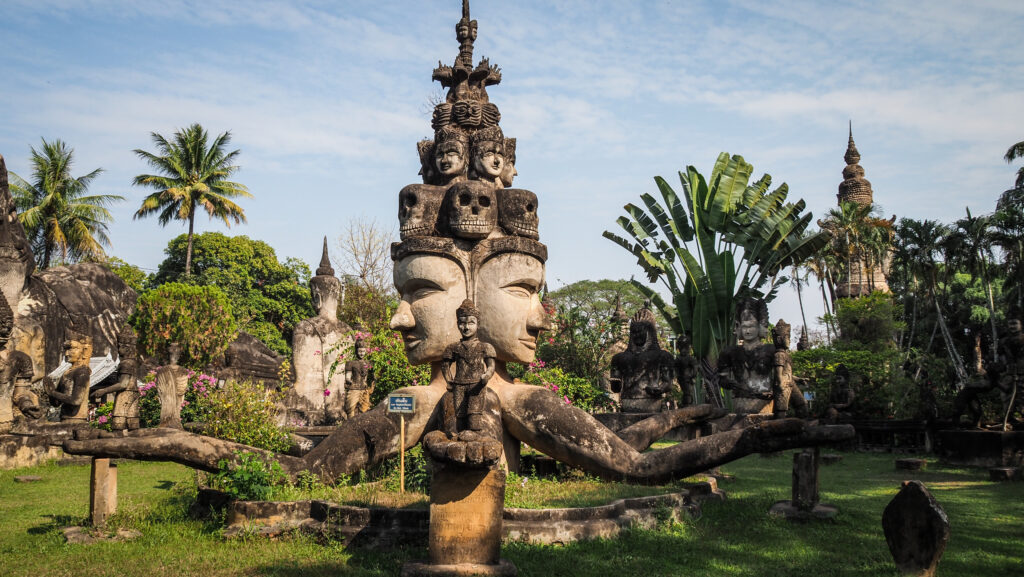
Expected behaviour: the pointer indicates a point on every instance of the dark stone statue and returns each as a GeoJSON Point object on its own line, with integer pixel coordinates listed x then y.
{"type": "Point", "coordinates": [686, 369]}
{"type": "Point", "coordinates": [72, 391]}
{"type": "Point", "coordinates": [841, 397]}
{"type": "Point", "coordinates": [747, 368]}
{"type": "Point", "coordinates": [644, 374]}
{"type": "Point", "coordinates": [359, 382]}
{"type": "Point", "coordinates": [784, 388]}
{"type": "Point", "coordinates": [126, 401]}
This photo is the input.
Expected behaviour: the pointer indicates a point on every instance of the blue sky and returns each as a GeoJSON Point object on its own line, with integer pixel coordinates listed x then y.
{"type": "Point", "coordinates": [326, 100]}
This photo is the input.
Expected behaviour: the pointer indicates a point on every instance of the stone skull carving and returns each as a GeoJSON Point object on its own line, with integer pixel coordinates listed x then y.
{"type": "Point", "coordinates": [472, 209]}
{"type": "Point", "coordinates": [418, 207]}
{"type": "Point", "coordinates": [517, 212]}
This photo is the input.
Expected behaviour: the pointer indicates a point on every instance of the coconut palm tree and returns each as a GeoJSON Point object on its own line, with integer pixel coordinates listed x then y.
{"type": "Point", "coordinates": [193, 173]}
{"type": "Point", "coordinates": [58, 216]}
{"type": "Point", "coordinates": [970, 246]}
{"type": "Point", "coordinates": [1016, 151]}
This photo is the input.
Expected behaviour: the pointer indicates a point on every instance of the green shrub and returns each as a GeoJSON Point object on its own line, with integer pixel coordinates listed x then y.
{"type": "Point", "coordinates": [197, 317]}
{"type": "Point", "coordinates": [869, 322]}
{"type": "Point", "coordinates": [573, 390]}
{"type": "Point", "coordinates": [246, 413]}
{"type": "Point", "coordinates": [391, 368]}
{"type": "Point", "coordinates": [100, 417]}
{"type": "Point", "coordinates": [251, 478]}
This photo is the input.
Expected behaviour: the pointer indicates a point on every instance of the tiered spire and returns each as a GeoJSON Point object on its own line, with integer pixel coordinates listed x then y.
{"type": "Point", "coordinates": [854, 188]}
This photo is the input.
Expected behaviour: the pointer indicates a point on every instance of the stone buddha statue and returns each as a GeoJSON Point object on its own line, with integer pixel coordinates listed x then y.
{"type": "Point", "coordinates": [319, 388]}
{"type": "Point", "coordinates": [644, 373]}
{"type": "Point", "coordinates": [747, 367]}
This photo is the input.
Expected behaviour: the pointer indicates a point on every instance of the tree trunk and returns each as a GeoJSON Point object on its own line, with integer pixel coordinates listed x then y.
{"type": "Point", "coordinates": [800, 299]}
{"type": "Point", "coordinates": [188, 250]}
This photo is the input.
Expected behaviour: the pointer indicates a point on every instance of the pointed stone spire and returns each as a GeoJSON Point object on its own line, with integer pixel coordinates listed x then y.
{"type": "Point", "coordinates": [619, 315]}
{"type": "Point", "coordinates": [854, 188]}
{"type": "Point", "coordinates": [325, 268]}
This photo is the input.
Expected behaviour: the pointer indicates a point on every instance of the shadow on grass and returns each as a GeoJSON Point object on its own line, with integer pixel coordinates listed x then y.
{"type": "Point", "coordinates": [165, 485]}
{"type": "Point", "coordinates": [352, 562]}
{"type": "Point", "coordinates": [56, 522]}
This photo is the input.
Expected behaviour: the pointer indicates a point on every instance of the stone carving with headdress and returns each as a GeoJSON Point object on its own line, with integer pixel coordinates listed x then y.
{"type": "Point", "coordinates": [747, 367]}
{"type": "Point", "coordinates": [644, 373]}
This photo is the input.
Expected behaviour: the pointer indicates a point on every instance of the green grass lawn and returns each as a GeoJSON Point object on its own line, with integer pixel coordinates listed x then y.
{"type": "Point", "coordinates": [733, 538]}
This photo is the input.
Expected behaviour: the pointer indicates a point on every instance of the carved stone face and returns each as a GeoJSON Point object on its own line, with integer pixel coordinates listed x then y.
{"type": "Point", "coordinates": [77, 351]}
{"type": "Point", "coordinates": [472, 209]}
{"type": "Point", "coordinates": [467, 326]}
{"type": "Point", "coordinates": [174, 353]}
{"type": "Point", "coordinates": [1013, 326]}
{"type": "Point", "coordinates": [418, 206]}
{"type": "Point", "coordinates": [747, 327]}
{"type": "Point", "coordinates": [432, 288]}
{"type": "Point", "coordinates": [517, 212]}
{"type": "Point", "coordinates": [489, 160]}
{"type": "Point", "coordinates": [511, 313]}
{"type": "Point", "coordinates": [324, 290]}
{"type": "Point", "coordinates": [361, 351]}
{"type": "Point", "coordinates": [450, 158]}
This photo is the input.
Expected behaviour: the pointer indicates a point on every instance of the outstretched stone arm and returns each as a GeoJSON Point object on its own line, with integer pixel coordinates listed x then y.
{"type": "Point", "coordinates": [362, 441]}
{"type": "Point", "coordinates": [537, 417]}
{"type": "Point", "coordinates": [641, 435]}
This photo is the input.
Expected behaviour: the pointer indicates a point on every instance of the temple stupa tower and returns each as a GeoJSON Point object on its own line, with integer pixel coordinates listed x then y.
{"type": "Point", "coordinates": [861, 279]}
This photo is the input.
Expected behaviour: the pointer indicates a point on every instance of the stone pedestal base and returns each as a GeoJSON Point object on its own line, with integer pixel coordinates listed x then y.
{"type": "Point", "coordinates": [789, 511]}
{"type": "Point", "coordinates": [466, 506]}
{"type": "Point", "coordinates": [504, 568]}
{"type": "Point", "coordinates": [102, 491]}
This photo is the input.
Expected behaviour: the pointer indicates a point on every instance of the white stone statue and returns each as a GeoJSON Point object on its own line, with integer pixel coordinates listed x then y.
{"type": "Point", "coordinates": [319, 393]}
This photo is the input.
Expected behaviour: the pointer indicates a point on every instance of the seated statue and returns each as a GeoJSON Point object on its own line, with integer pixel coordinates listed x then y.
{"type": "Point", "coordinates": [359, 382]}
{"type": "Point", "coordinates": [747, 368]}
{"type": "Point", "coordinates": [171, 384]}
{"type": "Point", "coordinates": [126, 401]}
{"type": "Point", "coordinates": [785, 391]}
{"type": "Point", "coordinates": [319, 391]}
{"type": "Point", "coordinates": [644, 374]}
{"type": "Point", "coordinates": [841, 396]}
{"type": "Point", "coordinates": [72, 391]}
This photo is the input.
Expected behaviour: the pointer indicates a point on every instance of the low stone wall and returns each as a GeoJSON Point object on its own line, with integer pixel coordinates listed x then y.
{"type": "Point", "coordinates": [40, 444]}
{"type": "Point", "coordinates": [386, 527]}
{"type": "Point", "coordinates": [979, 448]}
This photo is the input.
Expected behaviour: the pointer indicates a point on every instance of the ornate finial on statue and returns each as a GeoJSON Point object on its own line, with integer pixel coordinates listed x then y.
{"type": "Point", "coordinates": [325, 268]}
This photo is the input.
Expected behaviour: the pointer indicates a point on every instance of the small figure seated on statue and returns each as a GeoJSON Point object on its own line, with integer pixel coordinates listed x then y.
{"type": "Point", "coordinates": [71, 393]}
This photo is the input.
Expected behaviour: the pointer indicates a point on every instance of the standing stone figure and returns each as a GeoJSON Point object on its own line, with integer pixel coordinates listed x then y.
{"type": "Point", "coordinates": [644, 373]}
{"type": "Point", "coordinates": [72, 392]}
{"type": "Point", "coordinates": [319, 393]}
{"type": "Point", "coordinates": [359, 385]}
{"type": "Point", "coordinates": [171, 384]}
{"type": "Point", "coordinates": [784, 389]}
{"type": "Point", "coordinates": [747, 367]}
{"type": "Point", "coordinates": [15, 376]}
{"type": "Point", "coordinates": [126, 403]}
{"type": "Point", "coordinates": [467, 366]}
{"type": "Point", "coordinates": [686, 369]}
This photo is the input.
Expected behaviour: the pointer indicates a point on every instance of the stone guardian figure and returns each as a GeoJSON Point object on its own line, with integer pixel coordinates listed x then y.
{"type": "Point", "coordinates": [126, 403]}
{"type": "Point", "coordinates": [72, 391]}
{"type": "Point", "coordinates": [359, 385]}
{"type": "Point", "coordinates": [467, 366]}
{"type": "Point", "coordinates": [784, 388]}
{"type": "Point", "coordinates": [644, 374]}
{"type": "Point", "coordinates": [746, 367]}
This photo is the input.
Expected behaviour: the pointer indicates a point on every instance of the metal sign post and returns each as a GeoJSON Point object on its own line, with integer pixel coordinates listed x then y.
{"type": "Point", "coordinates": [403, 405]}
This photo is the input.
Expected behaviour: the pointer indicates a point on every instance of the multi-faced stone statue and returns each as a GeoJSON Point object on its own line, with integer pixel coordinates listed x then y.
{"type": "Point", "coordinates": [126, 402]}
{"type": "Point", "coordinates": [171, 385]}
{"type": "Point", "coordinates": [747, 368]}
{"type": "Point", "coordinates": [644, 374]}
{"type": "Point", "coordinates": [785, 391]}
{"type": "Point", "coordinates": [359, 381]}
{"type": "Point", "coordinates": [319, 384]}
{"type": "Point", "coordinates": [72, 391]}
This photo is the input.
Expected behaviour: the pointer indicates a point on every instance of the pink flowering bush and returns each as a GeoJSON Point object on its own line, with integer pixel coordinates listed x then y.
{"type": "Point", "coordinates": [195, 408]}
{"type": "Point", "coordinates": [100, 416]}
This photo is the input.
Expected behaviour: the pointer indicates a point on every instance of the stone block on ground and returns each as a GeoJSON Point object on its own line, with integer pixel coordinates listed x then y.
{"type": "Point", "coordinates": [27, 479]}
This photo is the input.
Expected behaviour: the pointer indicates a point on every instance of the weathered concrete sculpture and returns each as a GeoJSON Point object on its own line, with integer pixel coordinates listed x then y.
{"type": "Point", "coordinates": [15, 377]}
{"type": "Point", "coordinates": [503, 275]}
{"type": "Point", "coordinates": [126, 401]}
{"type": "Point", "coordinates": [467, 366]}
{"type": "Point", "coordinates": [359, 386]}
{"type": "Point", "coordinates": [171, 384]}
{"type": "Point", "coordinates": [686, 369]}
{"type": "Point", "coordinates": [72, 392]}
{"type": "Point", "coordinates": [785, 391]}
{"type": "Point", "coordinates": [644, 374]}
{"type": "Point", "coordinates": [319, 390]}
{"type": "Point", "coordinates": [747, 368]}
{"type": "Point", "coordinates": [841, 396]}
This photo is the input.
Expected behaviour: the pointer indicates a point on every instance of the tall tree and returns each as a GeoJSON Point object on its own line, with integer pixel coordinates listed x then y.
{"type": "Point", "coordinates": [969, 245]}
{"type": "Point", "coordinates": [1016, 151]}
{"type": "Point", "coordinates": [58, 216]}
{"type": "Point", "coordinates": [193, 173]}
